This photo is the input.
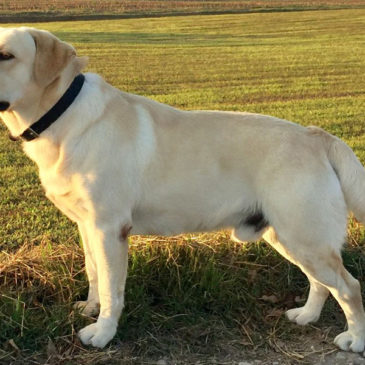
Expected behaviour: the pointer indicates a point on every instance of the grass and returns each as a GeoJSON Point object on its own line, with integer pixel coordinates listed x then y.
{"type": "Point", "coordinates": [191, 297]}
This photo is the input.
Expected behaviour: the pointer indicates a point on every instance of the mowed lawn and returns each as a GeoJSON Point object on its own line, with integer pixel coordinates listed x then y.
{"type": "Point", "coordinates": [197, 293]}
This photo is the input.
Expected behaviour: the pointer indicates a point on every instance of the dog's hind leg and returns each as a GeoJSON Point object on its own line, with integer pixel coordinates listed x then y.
{"type": "Point", "coordinates": [318, 293]}
{"type": "Point", "coordinates": [311, 311]}
{"type": "Point", "coordinates": [324, 268]}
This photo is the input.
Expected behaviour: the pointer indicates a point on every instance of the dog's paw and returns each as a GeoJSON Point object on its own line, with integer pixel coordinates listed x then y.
{"type": "Point", "coordinates": [348, 341]}
{"type": "Point", "coordinates": [98, 334]}
{"type": "Point", "coordinates": [302, 316]}
{"type": "Point", "coordinates": [87, 308]}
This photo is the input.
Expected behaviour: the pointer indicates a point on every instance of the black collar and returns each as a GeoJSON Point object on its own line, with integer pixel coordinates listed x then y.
{"type": "Point", "coordinates": [55, 112]}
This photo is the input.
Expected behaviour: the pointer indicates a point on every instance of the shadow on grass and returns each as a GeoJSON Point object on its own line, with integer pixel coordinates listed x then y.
{"type": "Point", "coordinates": [194, 295]}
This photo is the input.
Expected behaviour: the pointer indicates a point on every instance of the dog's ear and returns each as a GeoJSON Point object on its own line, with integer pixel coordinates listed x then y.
{"type": "Point", "coordinates": [52, 56]}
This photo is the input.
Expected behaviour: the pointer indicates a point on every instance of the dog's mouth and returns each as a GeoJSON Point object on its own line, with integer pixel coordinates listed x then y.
{"type": "Point", "coordinates": [4, 105]}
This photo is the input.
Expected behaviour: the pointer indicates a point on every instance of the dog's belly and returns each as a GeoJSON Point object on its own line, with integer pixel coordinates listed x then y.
{"type": "Point", "coordinates": [172, 215]}
{"type": "Point", "coordinates": [172, 223]}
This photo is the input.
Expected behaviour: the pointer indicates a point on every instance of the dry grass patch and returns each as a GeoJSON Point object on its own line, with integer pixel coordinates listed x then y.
{"type": "Point", "coordinates": [43, 266]}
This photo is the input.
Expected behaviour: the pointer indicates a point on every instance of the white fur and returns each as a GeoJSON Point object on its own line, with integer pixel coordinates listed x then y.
{"type": "Point", "coordinates": [117, 163]}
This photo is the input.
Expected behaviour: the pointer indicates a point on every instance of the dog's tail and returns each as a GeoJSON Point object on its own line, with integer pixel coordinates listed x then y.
{"type": "Point", "coordinates": [349, 170]}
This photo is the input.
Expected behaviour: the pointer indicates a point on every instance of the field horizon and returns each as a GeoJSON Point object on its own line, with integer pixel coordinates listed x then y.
{"type": "Point", "coordinates": [61, 10]}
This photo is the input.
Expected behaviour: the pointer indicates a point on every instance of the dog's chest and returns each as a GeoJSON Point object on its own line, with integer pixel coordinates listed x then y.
{"type": "Point", "coordinates": [63, 186]}
{"type": "Point", "coordinates": [68, 194]}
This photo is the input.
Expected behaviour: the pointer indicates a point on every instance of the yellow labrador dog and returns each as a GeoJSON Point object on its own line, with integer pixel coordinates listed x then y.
{"type": "Point", "coordinates": [120, 164]}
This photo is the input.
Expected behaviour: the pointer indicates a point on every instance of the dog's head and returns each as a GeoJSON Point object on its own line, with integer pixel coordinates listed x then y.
{"type": "Point", "coordinates": [31, 59]}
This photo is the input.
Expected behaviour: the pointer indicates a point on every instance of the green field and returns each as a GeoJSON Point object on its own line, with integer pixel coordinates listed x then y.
{"type": "Point", "coordinates": [199, 296]}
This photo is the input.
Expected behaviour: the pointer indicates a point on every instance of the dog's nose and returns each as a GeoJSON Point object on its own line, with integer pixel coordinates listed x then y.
{"type": "Point", "coordinates": [4, 105]}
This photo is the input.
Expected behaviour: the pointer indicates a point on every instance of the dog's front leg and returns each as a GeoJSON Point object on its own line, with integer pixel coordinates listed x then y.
{"type": "Point", "coordinates": [90, 307]}
{"type": "Point", "coordinates": [110, 250]}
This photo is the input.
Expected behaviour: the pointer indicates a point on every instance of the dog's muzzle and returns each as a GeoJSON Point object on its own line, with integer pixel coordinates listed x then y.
{"type": "Point", "coordinates": [4, 105]}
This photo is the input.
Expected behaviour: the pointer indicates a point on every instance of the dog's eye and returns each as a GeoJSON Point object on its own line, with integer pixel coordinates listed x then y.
{"type": "Point", "coordinates": [6, 56]}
